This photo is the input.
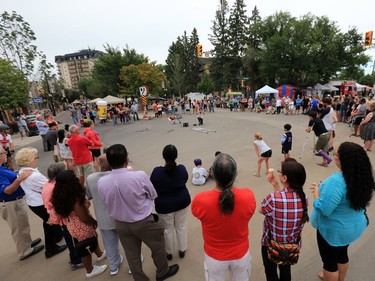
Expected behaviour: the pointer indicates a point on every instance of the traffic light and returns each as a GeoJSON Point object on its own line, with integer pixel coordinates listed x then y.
{"type": "Point", "coordinates": [199, 51]}
{"type": "Point", "coordinates": [368, 39]}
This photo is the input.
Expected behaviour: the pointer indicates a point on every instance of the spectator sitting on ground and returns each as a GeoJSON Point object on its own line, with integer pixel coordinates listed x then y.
{"type": "Point", "coordinates": [199, 175]}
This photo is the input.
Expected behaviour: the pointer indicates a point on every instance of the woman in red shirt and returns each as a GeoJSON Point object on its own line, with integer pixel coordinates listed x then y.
{"type": "Point", "coordinates": [225, 213]}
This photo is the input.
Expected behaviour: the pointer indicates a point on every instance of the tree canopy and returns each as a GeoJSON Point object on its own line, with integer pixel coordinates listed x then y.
{"type": "Point", "coordinates": [13, 86]}
{"type": "Point", "coordinates": [134, 76]}
{"type": "Point", "coordinates": [16, 42]}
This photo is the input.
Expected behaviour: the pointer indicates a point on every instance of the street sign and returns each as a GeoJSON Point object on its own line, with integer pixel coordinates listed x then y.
{"type": "Point", "coordinates": [246, 78]}
{"type": "Point", "coordinates": [143, 90]}
{"type": "Point", "coordinates": [38, 100]}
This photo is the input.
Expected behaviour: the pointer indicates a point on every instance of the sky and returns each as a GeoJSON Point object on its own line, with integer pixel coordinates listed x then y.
{"type": "Point", "coordinates": [150, 26]}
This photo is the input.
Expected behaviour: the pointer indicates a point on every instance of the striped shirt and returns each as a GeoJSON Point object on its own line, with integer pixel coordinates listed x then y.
{"type": "Point", "coordinates": [283, 212]}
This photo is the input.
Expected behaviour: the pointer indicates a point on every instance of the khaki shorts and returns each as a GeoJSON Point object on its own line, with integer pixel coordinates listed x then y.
{"type": "Point", "coordinates": [322, 142]}
{"type": "Point", "coordinates": [85, 169]}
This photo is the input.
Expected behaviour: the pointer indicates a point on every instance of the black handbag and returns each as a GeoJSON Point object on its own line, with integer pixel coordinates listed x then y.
{"type": "Point", "coordinates": [85, 247]}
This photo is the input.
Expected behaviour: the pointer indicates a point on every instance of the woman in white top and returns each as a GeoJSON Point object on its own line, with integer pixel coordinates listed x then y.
{"type": "Point", "coordinates": [27, 159]}
{"type": "Point", "coordinates": [263, 151]}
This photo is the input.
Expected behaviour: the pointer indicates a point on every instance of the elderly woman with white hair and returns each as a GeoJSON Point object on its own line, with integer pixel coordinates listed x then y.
{"type": "Point", "coordinates": [27, 159]}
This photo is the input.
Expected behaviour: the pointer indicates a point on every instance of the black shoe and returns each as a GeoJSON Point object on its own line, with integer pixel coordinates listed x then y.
{"type": "Point", "coordinates": [169, 257]}
{"type": "Point", "coordinates": [58, 250]}
{"type": "Point", "coordinates": [36, 250]}
{"type": "Point", "coordinates": [59, 238]}
{"type": "Point", "coordinates": [181, 254]}
{"type": "Point", "coordinates": [35, 242]}
{"type": "Point", "coordinates": [173, 269]}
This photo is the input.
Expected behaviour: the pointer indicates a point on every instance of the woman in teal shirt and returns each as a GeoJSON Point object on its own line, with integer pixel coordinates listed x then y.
{"type": "Point", "coordinates": [340, 208]}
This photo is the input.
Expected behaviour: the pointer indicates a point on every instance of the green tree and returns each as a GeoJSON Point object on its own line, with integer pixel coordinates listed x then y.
{"type": "Point", "coordinates": [16, 42]}
{"type": "Point", "coordinates": [177, 75]}
{"type": "Point", "coordinates": [206, 86]}
{"type": "Point", "coordinates": [182, 65]}
{"type": "Point", "coordinates": [237, 36]}
{"type": "Point", "coordinates": [106, 71]}
{"type": "Point", "coordinates": [221, 51]}
{"type": "Point", "coordinates": [134, 76]}
{"type": "Point", "coordinates": [307, 50]}
{"type": "Point", "coordinates": [13, 86]}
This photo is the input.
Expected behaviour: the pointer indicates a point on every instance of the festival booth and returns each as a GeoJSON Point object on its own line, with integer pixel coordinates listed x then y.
{"type": "Point", "coordinates": [197, 96]}
{"type": "Point", "coordinates": [285, 91]}
{"type": "Point", "coordinates": [320, 89]}
{"type": "Point", "coordinates": [266, 90]}
{"type": "Point", "coordinates": [113, 100]}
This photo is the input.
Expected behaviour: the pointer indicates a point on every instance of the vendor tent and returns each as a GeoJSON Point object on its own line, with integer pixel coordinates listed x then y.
{"type": "Point", "coordinates": [285, 91]}
{"type": "Point", "coordinates": [111, 99]}
{"type": "Point", "coordinates": [331, 88]}
{"type": "Point", "coordinates": [266, 90]}
{"type": "Point", "coordinates": [320, 87]}
{"type": "Point", "coordinates": [95, 100]}
{"type": "Point", "coordinates": [197, 96]}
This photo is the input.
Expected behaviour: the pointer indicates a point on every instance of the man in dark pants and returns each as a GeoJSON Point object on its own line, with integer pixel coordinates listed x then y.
{"type": "Point", "coordinates": [129, 197]}
{"type": "Point", "coordinates": [43, 129]}
{"type": "Point", "coordinates": [13, 210]}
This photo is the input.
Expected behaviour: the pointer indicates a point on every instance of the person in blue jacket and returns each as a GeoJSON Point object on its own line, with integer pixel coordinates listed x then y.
{"type": "Point", "coordinates": [339, 213]}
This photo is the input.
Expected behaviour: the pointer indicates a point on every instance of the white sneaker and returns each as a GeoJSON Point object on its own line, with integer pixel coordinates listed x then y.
{"type": "Point", "coordinates": [96, 270]}
{"type": "Point", "coordinates": [114, 272]}
{"type": "Point", "coordinates": [102, 257]}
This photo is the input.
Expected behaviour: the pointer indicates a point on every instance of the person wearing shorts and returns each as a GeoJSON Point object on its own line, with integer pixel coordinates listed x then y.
{"type": "Point", "coordinates": [79, 145]}
{"type": "Point", "coordinates": [94, 137]}
{"type": "Point", "coordinates": [317, 125]}
{"type": "Point", "coordinates": [263, 151]}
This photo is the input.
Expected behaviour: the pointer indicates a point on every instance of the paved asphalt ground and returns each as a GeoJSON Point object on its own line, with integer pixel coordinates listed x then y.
{"type": "Point", "coordinates": [233, 134]}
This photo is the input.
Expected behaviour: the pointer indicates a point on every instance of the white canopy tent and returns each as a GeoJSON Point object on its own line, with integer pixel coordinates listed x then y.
{"type": "Point", "coordinates": [95, 100]}
{"type": "Point", "coordinates": [76, 102]}
{"type": "Point", "coordinates": [197, 96]}
{"type": "Point", "coordinates": [266, 90]}
{"type": "Point", "coordinates": [360, 87]}
{"type": "Point", "coordinates": [112, 99]}
{"type": "Point", "coordinates": [320, 87]}
{"type": "Point", "coordinates": [331, 88]}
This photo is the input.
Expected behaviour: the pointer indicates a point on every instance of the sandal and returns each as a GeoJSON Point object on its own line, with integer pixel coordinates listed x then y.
{"type": "Point", "coordinates": [322, 164]}
{"type": "Point", "coordinates": [256, 175]}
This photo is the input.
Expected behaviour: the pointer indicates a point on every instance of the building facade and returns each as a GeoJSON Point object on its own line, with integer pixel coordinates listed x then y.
{"type": "Point", "coordinates": [76, 66]}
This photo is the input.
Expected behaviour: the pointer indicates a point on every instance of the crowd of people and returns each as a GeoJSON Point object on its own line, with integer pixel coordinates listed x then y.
{"type": "Point", "coordinates": [124, 202]}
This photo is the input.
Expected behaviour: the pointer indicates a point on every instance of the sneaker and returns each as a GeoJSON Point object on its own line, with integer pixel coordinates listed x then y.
{"type": "Point", "coordinates": [102, 257]}
{"type": "Point", "coordinates": [114, 272]}
{"type": "Point", "coordinates": [74, 266]}
{"type": "Point", "coordinates": [96, 270]}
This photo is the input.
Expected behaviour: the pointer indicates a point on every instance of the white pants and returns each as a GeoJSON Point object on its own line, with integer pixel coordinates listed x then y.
{"type": "Point", "coordinates": [175, 221]}
{"type": "Point", "coordinates": [239, 270]}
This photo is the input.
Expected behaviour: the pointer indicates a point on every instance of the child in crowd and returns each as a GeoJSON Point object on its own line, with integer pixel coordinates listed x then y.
{"type": "Point", "coordinates": [286, 141]}
{"type": "Point", "coordinates": [199, 175]}
{"type": "Point", "coordinates": [65, 153]}
{"type": "Point", "coordinates": [263, 151]}
{"type": "Point", "coordinates": [200, 117]}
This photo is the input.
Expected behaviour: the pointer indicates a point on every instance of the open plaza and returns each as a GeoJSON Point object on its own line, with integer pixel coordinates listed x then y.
{"type": "Point", "coordinates": [225, 131]}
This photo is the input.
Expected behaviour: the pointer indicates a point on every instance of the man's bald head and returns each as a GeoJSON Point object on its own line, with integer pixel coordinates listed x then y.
{"type": "Point", "coordinates": [103, 163]}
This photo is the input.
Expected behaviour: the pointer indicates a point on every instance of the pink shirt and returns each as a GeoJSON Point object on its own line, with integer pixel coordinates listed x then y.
{"type": "Point", "coordinates": [46, 196]}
